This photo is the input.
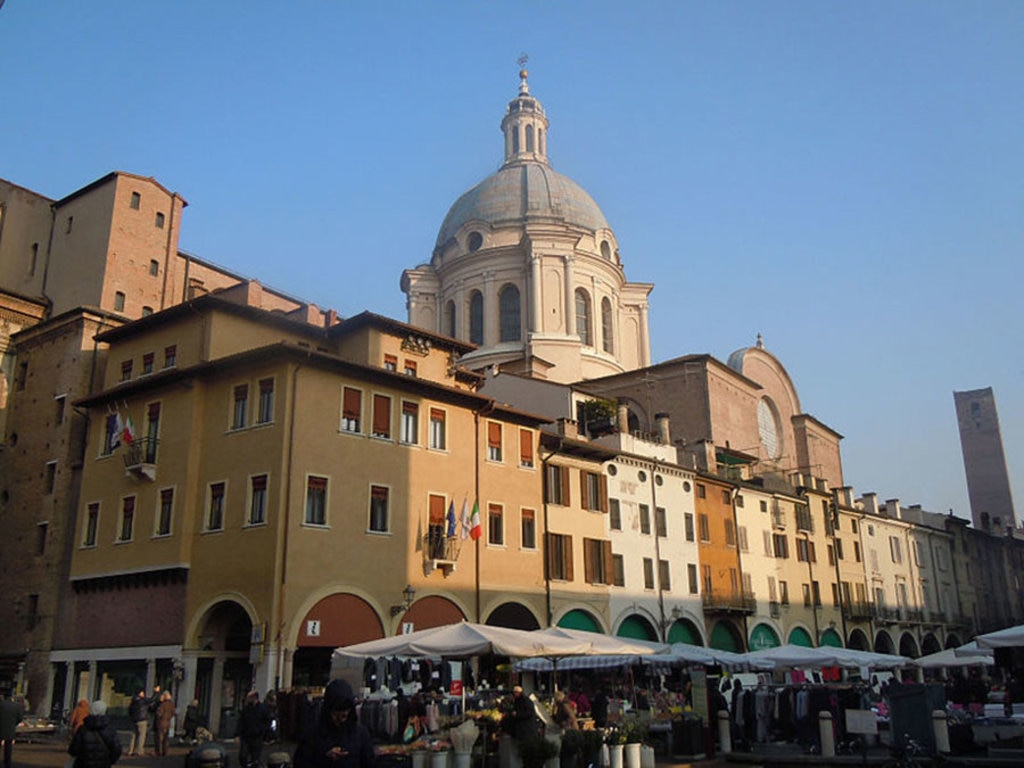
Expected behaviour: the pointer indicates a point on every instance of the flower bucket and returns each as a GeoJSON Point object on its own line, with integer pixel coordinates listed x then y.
{"type": "Point", "coordinates": [615, 755]}
{"type": "Point", "coordinates": [463, 759]}
{"type": "Point", "coordinates": [419, 758]}
{"type": "Point", "coordinates": [440, 759]}
{"type": "Point", "coordinates": [631, 755]}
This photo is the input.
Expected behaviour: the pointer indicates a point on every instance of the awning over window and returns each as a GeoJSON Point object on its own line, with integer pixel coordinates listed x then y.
{"type": "Point", "coordinates": [723, 638]}
{"type": "Point", "coordinates": [636, 628]}
{"type": "Point", "coordinates": [831, 638]}
{"type": "Point", "coordinates": [799, 636]}
{"type": "Point", "coordinates": [763, 636]}
{"type": "Point", "coordinates": [683, 631]}
{"type": "Point", "coordinates": [577, 619]}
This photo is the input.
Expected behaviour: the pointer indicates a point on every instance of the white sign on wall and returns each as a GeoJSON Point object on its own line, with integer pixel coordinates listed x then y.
{"type": "Point", "coordinates": [408, 627]}
{"type": "Point", "coordinates": [313, 628]}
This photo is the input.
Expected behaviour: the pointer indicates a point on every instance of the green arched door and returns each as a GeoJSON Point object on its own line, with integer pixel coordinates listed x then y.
{"type": "Point", "coordinates": [800, 636]}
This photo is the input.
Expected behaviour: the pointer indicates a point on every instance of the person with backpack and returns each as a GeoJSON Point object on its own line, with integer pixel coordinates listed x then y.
{"type": "Point", "coordinates": [95, 744]}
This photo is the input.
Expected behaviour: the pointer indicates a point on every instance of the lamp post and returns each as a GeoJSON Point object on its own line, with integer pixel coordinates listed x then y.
{"type": "Point", "coordinates": [408, 597]}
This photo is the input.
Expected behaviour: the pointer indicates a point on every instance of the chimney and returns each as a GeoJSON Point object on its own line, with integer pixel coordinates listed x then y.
{"type": "Point", "coordinates": [870, 501]}
{"type": "Point", "coordinates": [844, 495]}
{"type": "Point", "coordinates": [623, 417]}
{"type": "Point", "coordinates": [663, 430]}
{"type": "Point", "coordinates": [892, 508]}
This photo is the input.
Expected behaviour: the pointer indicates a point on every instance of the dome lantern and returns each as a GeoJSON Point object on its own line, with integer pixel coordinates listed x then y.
{"type": "Point", "coordinates": [525, 127]}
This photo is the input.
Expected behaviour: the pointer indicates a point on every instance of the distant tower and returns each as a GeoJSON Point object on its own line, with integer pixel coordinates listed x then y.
{"type": "Point", "coordinates": [988, 482]}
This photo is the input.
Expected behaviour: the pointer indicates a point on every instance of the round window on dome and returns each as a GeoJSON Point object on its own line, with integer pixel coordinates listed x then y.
{"type": "Point", "coordinates": [606, 250]}
{"type": "Point", "coordinates": [475, 241]}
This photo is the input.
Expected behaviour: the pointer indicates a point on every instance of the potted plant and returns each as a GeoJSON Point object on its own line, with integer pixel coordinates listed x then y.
{"type": "Point", "coordinates": [536, 749]}
{"type": "Point", "coordinates": [615, 738]}
{"type": "Point", "coordinates": [634, 732]}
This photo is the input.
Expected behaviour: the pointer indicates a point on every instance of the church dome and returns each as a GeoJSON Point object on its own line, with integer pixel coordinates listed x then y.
{"type": "Point", "coordinates": [523, 191]}
{"type": "Point", "coordinates": [525, 187]}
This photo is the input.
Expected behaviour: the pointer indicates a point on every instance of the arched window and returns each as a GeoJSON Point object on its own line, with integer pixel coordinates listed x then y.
{"type": "Point", "coordinates": [449, 318]}
{"type": "Point", "coordinates": [515, 139]}
{"type": "Point", "coordinates": [606, 326]}
{"type": "Point", "coordinates": [540, 140]}
{"type": "Point", "coordinates": [529, 138]}
{"type": "Point", "coordinates": [510, 321]}
{"type": "Point", "coordinates": [583, 317]}
{"type": "Point", "coordinates": [476, 317]}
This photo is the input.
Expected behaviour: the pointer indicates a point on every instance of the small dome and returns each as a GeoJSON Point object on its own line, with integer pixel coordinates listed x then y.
{"type": "Point", "coordinates": [521, 191]}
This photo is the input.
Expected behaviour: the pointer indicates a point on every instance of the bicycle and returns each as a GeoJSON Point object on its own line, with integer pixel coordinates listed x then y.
{"type": "Point", "coordinates": [904, 754]}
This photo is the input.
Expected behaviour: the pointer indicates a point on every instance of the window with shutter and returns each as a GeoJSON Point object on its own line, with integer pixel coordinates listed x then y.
{"type": "Point", "coordinates": [382, 416]}
{"type": "Point", "coordinates": [525, 448]}
{"type": "Point", "coordinates": [351, 410]}
{"type": "Point", "coordinates": [438, 432]}
{"type": "Point", "coordinates": [493, 441]}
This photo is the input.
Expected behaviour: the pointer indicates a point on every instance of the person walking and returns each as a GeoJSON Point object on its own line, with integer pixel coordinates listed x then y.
{"type": "Point", "coordinates": [78, 715]}
{"type": "Point", "coordinates": [191, 720]}
{"type": "Point", "coordinates": [165, 712]}
{"type": "Point", "coordinates": [11, 713]}
{"type": "Point", "coordinates": [253, 727]}
{"type": "Point", "coordinates": [138, 713]}
{"type": "Point", "coordinates": [95, 744]}
{"type": "Point", "coordinates": [338, 740]}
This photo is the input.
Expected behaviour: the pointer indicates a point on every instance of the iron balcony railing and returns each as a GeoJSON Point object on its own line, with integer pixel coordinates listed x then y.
{"type": "Point", "coordinates": [743, 602]}
{"type": "Point", "coordinates": [140, 451]}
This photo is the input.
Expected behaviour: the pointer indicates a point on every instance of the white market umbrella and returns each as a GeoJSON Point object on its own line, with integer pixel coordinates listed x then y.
{"type": "Point", "coordinates": [463, 640]}
{"type": "Point", "coordinates": [791, 656]}
{"type": "Point", "coordinates": [850, 657]}
{"type": "Point", "coordinates": [605, 644]}
{"type": "Point", "coordinates": [965, 656]}
{"type": "Point", "coordinates": [1005, 638]}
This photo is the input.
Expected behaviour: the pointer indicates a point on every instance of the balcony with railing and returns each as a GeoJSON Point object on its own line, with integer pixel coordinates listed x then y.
{"type": "Point", "coordinates": [140, 457]}
{"type": "Point", "coordinates": [778, 516]}
{"type": "Point", "coordinates": [440, 552]}
{"type": "Point", "coordinates": [885, 615]}
{"type": "Point", "coordinates": [857, 610]}
{"type": "Point", "coordinates": [914, 615]}
{"type": "Point", "coordinates": [741, 603]}
{"type": "Point", "coordinates": [774, 609]}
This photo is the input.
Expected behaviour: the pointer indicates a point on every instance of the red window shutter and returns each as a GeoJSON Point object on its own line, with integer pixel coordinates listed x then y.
{"type": "Point", "coordinates": [314, 484]}
{"type": "Point", "coordinates": [566, 495]}
{"type": "Point", "coordinates": [549, 553]}
{"type": "Point", "coordinates": [494, 434]}
{"type": "Point", "coordinates": [604, 494]}
{"type": "Point", "coordinates": [609, 562]}
{"type": "Point", "coordinates": [266, 385]}
{"type": "Point", "coordinates": [378, 492]}
{"type": "Point", "coordinates": [408, 407]}
{"type": "Point", "coordinates": [525, 447]}
{"type": "Point", "coordinates": [588, 560]}
{"type": "Point", "coordinates": [259, 483]}
{"type": "Point", "coordinates": [381, 415]}
{"type": "Point", "coordinates": [353, 401]}
{"type": "Point", "coordinates": [567, 541]}
{"type": "Point", "coordinates": [241, 392]}
{"type": "Point", "coordinates": [154, 411]}
{"type": "Point", "coordinates": [436, 510]}
{"type": "Point", "coordinates": [584, 491]}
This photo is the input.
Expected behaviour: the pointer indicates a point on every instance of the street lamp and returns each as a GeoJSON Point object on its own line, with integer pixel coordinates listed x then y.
{"type": "Point", "coordinates": [408, 596]}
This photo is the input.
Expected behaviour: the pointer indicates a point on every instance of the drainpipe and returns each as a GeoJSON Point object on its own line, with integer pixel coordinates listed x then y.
{"type": "Point", "coordinates": [286, 521]}
{"type": "Point", "coordinates": [547, 575]}
{"type": "Point", "coordinates": [833, 518]}
{"type": "Point", "coordinates": [483, 411]}
{"type": "Point", "coordinates": [733, 493]}
{"type": "Point", "coordinates": [657, 554]}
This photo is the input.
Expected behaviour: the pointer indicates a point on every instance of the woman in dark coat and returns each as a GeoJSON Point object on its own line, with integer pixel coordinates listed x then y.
{"type": "Point", "coordinates": [338, 740]}
{"type": "Point", "coordinates": [95, 744]}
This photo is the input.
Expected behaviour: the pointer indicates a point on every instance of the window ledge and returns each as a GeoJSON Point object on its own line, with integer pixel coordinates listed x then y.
{"type": "Point", "coordinates": [316, 526]}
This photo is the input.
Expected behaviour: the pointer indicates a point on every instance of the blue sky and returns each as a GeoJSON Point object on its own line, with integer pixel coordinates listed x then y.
{"type": "Point", "coordinates": [845, 178]}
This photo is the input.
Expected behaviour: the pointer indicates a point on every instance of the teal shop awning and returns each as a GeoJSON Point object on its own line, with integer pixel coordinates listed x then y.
{"type": "Point", "coordinates": [683, 631]}
{"type": "Point", "coordinates": [636, 628]}
{"type": "Point", "coordinates": [763, 636]}
{"type": "Point", "coordinates": [799, 636]}
{"type": "Point", "coordinates": [831, 638]}
{"type": "Point", "coordinates": [724, 639]}
{"type": "Point", "coordinates": [577, 619]}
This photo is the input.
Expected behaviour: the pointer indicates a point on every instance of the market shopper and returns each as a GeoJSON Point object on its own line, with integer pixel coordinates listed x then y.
{"type": "Point", "coordinates": [521, 722]}
{"type": "Point", "coordinates": [11, 713]}
{"type": "Point", "coordinates": [165, 712]}
{"type": "Point", "coordinates": [565, 712]}
{"type": "Point", "coordinates": [96, 744]}
{"type": "Point", "coordinates": [338, 739]}
{"type": "Point", "coordinates": [78, 715]}
{"type": "Point", "coordinates": [138, 713]}
{"type": "Point", "coordinates": [253, 728]}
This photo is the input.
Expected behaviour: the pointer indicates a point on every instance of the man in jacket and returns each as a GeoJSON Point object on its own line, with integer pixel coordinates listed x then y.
{"type": "Point", "coordinates": [253, 727]}
{"type": "Point", "coordinates": [338, 740]}
{"type": "Point", "coordinates": [95, 744]}
{"type": "Point", "coordinates": [138, 713]}
{"type": "Point", "coordinates": [10, 715]}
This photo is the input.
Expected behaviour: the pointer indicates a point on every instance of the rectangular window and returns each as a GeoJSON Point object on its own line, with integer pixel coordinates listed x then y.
{"type": "Point", "coordinates": [22, 378]}
{"type": "Point", "coordinates": [839, 549]}
{"type": "Point", "coordinates": [241, 406]}
{"type": "Point", "coordinates": [493, 441]}
{"type": "Point", "coordinates": [804, 521]}
{"type": "Point", "coordinates": [895, 550]}
{"type": "Point", "coordinates": [784, 592]}
{"type": "Point", "coordinates": [556, 485]}
{"type": "Point", "coordinates": [136, 201]}
{"type": "Point", "coordinates": [831, 554]}
{"type": "Point", "coordinates": [92, 524]}
{"type": "Point", "coordinates": [51, 477]}
{"type": "Point", "coordinates": [706, 579]}
{"type": "Point", "coordinates": [32, 614]}
{"type": "Point", "coordinates": [316, 500]}
{"type": "Point", "coordinates": [648, 573]}
{"type": "Point", "coordinates": [154, 267]}
{"type": "Point", "coordinates": [41, 531]}
{"type": "Point", "coordinates": [764, 505]}
{"type": "Point", "coordinates": [593, 491]}
{"type": "Point", "coordinates": [126, 370]}
{"type": "Point", "coordinates": [645, 519]}
{"type": "Point", "coordinates": [739, 501]}
{"type": "Point", "coordinates": [119, 301]}
{"type": "Point", "coordinates": [691, 578]}
{"type": "Point", "coordinates": [805, 551]}
{"type": "Point", "coordinates": [661, 522]}
{"type": "Point", "coordinates": [664, 575]}
{"type": "Point", "coordinates": [70, 225]}
{"type": "Point", "coordinates": [152, 432]}
{"type": "Point", "coordinates": [769, 549]}
{"type": "Point", "coordinates": [158, 221]}
{"type": "Point", "coordinates": [853, 525]}
{"type": "Point", "coordinates": [618, 571]}
{"type": "Point", "coordinates": [835, 595]}
{"type": "Point", "coordinates": [379, 509]}
{"type": "Point", "coordinates": [597, 561]}
{"type": "Point", "coordinates": [726, 498]}
{"type": "Point", "coordinates": [495, 524]}
{"type": "Point", "coordinates": [559, 556]}
{"type": "Point", "coordinates": [351, 409]}
{"type": "Point", "coordinates": [856, 551]}
{"type": "Point", "coordinates": [215, 512]}
{"type": "Point", "coordinates": [525, 448]}
{"type": "Point", "coordinates": [410, 423]}
{"type": "Point", "coordinates": [614, 515]}
{"type": "Point", "coordinates": [265, 413]}
{"type": "Point", "coordinates": [390, 363]}
{"type": "Point", "coordinates": [438, 435]}
{"type": "Point", "coordinates": [147, 363]}
{"type": "Point", "coordinates": [702, 491]}
{"type": "Point", "coordinates": [780, 545]}
{"type": "Point", "coordinates": [170, 356]}
{"type": "Point", "coordinates": [688, 525]}
{"type": "Point", "coordinates": [816, 592]}
{"type": "Point", "coordinates": [382, 416]}
{"type": "Point", "coordinates": [730, 533]}
{"type": "Point", "coordinates": [773, 591]}
{"type": "Point", "coordinates": [127, 519]}
{"type": "Point", "coordinates": [258, 500]}
{"type": "Point", "coordinates": [704, 528]}
{"type": "Point", "coordinates": [409, 367]}
{"type": "Point", "coordinates": [742, 536]}
{"type": "Point", "coordinates": [807, 594]}
{"type": "Point", "coordinates": [163, 519]}
{"type": "Point", "coordinates": [528, 528]}
{"type": "Point", "coordinates": [113, 434]}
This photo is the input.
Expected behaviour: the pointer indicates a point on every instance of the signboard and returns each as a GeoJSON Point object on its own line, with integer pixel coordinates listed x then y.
{"type": "Point", "coordinates": [313, 628]}
{"type": "Point", "coordinates": [861, 721]}
{"type": "Point", "coordinates": [456, 688]}
{"type": "Point", "coordinates": [408, 627]}
{"type": "Point", "coordinates": [699, 691]}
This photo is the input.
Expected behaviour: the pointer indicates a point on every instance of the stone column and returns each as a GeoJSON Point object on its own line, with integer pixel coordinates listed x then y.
{"type": "Point", "coordinates": [90, 684]}
{"type": "Point", "coordinates": [570, 298]}
{"type": "Point", "coordinates": [187, 689]}
{"type": "Point", "coordinates": [645, 337]}
{"type": "Point", "coordinates": [69, 686]}
{"type": "Point", "coordinates": [216, 684]}
{"type": "Point", "coordinates": [535, 293]}
{"type": "Point", "coordinates": [490, 316]}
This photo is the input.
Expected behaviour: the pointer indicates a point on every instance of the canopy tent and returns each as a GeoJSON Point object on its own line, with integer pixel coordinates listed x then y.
{"type": "Point", "coordinates": [965, 656]}
{"type": "Point", "coordinates": [790, 655]}
{"type": "Point", "coordinates": [851, 657]}
{"type": "Point", "coordinates": [1004, 638]}
{"type": "Point", "coordinates": [604, 644]}
{"type": "Point", "coordinates": [677, 653]}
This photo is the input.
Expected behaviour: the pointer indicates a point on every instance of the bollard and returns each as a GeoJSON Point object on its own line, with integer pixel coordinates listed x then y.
{"type": "Point", "coordinates": [724, 735]}
{"type": "Point", "coordinates": [941, 727]}
{"type": "Point", "coordinates": [828, 739]}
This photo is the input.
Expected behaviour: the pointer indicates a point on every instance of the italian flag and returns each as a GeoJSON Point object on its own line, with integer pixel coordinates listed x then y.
{"type": "Point", "coordinates": [475, 531]}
